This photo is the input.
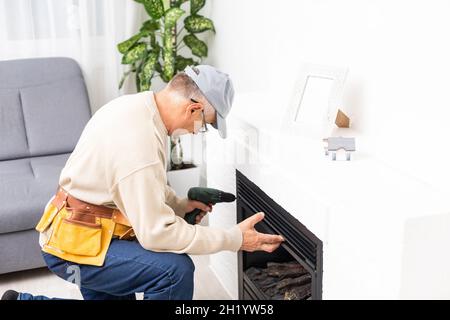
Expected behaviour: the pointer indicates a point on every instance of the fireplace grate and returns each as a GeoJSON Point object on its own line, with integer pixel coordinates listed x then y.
{"type": "Point", "coordinates": [278, 219]}
{"type": "Point", "coordinates": [301, 244]}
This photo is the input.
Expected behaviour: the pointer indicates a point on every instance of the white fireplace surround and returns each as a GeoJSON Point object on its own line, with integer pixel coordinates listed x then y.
{"type": "Point", "coordinates": [385, 233]}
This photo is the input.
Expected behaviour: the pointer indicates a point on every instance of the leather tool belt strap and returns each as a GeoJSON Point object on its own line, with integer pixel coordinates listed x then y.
{"type": "Point", "coordinates": [86, 213]}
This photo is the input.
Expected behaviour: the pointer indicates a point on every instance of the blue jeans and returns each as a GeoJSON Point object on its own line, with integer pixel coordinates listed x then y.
{"type": "Point", "coordinates": [128, 269]}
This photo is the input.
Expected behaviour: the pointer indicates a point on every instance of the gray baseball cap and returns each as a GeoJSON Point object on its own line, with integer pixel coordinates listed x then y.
{"type": "Point", "coordinates": [217, 88]}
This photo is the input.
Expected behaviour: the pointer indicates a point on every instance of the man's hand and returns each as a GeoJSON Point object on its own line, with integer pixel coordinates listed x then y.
{"type": "Point", "coordinates": [194, 204]}
{"type": "Point", "coordinates": [254, 240]}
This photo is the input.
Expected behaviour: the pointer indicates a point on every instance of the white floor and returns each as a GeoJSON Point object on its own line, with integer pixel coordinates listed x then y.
{"type": "Point", "coordinates": [43, 282]}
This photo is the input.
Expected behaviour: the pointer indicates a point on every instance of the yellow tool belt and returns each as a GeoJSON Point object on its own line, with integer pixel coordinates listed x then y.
{"type": "Point", "coordinates": [81, 232]}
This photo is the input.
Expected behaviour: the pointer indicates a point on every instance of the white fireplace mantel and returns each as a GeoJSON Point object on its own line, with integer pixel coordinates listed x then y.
{"type": "Point", "coordinates": [385, 233]}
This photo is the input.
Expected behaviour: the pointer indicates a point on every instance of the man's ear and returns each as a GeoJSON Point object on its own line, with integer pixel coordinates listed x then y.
{"type": "Point", "coordinates": [191, 108]}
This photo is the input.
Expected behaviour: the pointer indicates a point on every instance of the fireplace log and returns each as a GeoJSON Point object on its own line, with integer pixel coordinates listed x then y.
{"type": "Point", "coordinates": [285, 269]}
{"type": "Point", "coordinates": [267, 282]}
{"type": "Point", "coordinates": [282, 281]}
{"type": "Point", "coordinates": [253, 272]}
{"type": "Point", "coordinates": [289, 282]}
{"type": "Point", "coordinates": [298, 293]}
{"type": "Point", "coordinates": [274, 292]}
{"type": "Point", "coordinates": [288, 293]}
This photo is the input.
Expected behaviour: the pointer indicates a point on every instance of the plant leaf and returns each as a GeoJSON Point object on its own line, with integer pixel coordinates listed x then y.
{"type": "Point", "coordinates": [164, 76]}
{"type": "Point", "coordinates": [135, 53]}
{"type": "Point", "coordinates": [168, 39]}
{"type": "Point", "coordinates": [150, 26]}
{"type": "Point", "coordinates": [196, 24]}
{"type": "Point", "coordinates": [144, 85]}
{"type": "Point", "coordinates": [198, 47]}
{"type": "Point", "coordinates": [156, 48]}
{"type": "Point", "coordinates": [149, 66]}
{"type": "Point", "coordinates": [182, 62]}
{"type": "Point", "coordinates": [148, 70]}
{"type": "Point", "coordinates": [171, 17]}
{"type": "Point", "coordinates": [168, 57]}
{"type": "Point", "coordinates": [122, 80]}
{"type": "Point", "coordinates": [124, 46]}
{"type": "Point", "coordinates": [179, 3]}
{"type": "Point", "coordinates": [138, 83]}
{"type": "Point", "coordinates": [155, 8]}
{"type": "Point", "coordinates": [196, 5]}
{"type": "Point", "coordinates": [124, 76]}
{"type": "Point", "coordinates": [168, 67]}
{"type": "Point", "coordinates": [158, 67]}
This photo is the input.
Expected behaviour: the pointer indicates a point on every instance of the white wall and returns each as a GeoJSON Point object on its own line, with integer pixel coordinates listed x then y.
{"type": "Point", "coordinates": [396, 51]}
{"type": "Point", "coordinates": [396, 90]}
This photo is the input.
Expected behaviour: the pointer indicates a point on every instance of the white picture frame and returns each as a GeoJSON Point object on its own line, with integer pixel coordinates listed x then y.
{"type": "Point", "coordinates": [316, 99]}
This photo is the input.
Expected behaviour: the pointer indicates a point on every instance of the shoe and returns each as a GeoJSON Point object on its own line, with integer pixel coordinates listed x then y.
{"type": "Point", "coordinates": [10, 295]}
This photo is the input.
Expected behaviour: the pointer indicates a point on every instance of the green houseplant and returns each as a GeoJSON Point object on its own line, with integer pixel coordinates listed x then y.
{"type": "Point", "coordinates": [154, 50]}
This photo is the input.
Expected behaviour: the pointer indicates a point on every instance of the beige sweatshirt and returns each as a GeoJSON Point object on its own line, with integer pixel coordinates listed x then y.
{"type": "Point", "coordinates": [120, 161]}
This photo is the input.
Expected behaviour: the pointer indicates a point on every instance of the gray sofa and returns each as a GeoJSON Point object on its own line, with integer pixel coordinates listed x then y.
{"type": "Point", "coordinates": [44, 107]}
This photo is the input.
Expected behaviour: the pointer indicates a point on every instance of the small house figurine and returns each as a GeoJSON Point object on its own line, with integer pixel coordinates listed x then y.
{"type": "Point", "coordinates": [339, 147]}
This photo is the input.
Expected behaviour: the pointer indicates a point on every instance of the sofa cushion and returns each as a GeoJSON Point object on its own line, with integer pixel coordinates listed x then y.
{"type": "Point", "coordinates": [26, 185]}
{"type": "Point", "coordinates": [13, 142]}
{"type": "Point", "coordinates": [44, 107]}
{"type": "Point", "coordinates": [55, 115]}
{"type": "Point", "coordinates": [20, 251]}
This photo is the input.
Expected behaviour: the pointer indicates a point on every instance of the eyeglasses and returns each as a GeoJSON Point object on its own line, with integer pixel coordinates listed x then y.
{"type": "Point", "coordinates": [204, 128]}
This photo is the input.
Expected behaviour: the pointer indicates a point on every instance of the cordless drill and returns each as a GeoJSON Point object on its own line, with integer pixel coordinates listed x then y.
{"type": "Point", "coordinates": [207, 196]}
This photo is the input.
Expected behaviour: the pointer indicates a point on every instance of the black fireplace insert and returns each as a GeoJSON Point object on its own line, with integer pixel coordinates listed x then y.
{"type": "Point", "coordinates": [294, 270]}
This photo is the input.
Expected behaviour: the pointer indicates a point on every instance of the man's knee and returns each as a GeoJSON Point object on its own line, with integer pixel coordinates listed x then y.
{"type": "Point", "coordinates": [183, 278]}
{"type": "Point", "coordinates": [176, 281]}
{"type": "Point", "coordinates": [185, 267]}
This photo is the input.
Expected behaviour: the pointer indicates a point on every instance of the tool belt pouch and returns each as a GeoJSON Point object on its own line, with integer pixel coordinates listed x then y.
{"type": "Point", "coordinates": [77, 233]}
{"type": "Point", "coordinates": [75, 229]}
{"type": "Point", "coordinates": [47, 218]}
